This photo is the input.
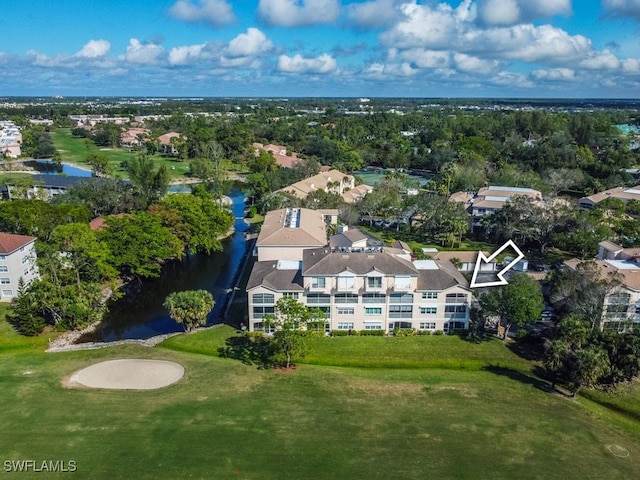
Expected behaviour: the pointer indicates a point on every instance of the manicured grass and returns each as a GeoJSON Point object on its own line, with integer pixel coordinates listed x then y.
{"type": "Point", "coordinates": [74, 150]}
{"type": "Point", "coordinates": [229, 420]}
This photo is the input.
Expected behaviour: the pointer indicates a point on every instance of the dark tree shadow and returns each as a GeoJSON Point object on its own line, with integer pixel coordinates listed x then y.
{"type": "Point", "coordinates": [250, 351]}
{"type": "Point", "coordinates": [520, 377]}
{"type": "Point", "coordinates": [531, 349]}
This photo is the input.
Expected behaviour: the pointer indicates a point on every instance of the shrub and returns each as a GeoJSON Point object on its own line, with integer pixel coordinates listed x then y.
{"type": "Point", "coordinates": [371, 333]}
{"type": "Point", "coordinates": [437, 332]}
{"type": "Point", "coordinates": [340, 333]}
{"type": "Point", "coordinates": [252, 212]}
{"type": "Point", "coordinates": [404, 332]}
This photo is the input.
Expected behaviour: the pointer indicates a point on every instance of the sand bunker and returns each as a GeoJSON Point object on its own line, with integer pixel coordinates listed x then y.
{"type": "Point", "coordinates": [128, 374]}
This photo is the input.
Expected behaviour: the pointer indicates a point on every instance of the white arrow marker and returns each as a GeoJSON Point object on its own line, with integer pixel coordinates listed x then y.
{"type": "Point", "coordinates": [482, 259]}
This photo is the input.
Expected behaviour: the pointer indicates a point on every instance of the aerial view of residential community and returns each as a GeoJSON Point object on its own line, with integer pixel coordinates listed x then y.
{"type": "Point", "coordinates": [320, 239]}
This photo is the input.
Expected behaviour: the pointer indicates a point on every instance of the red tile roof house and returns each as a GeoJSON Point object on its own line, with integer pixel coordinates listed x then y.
{"type": "Point", "coordinates": [279, 153]}
{"type": "Point", "coordinates": [134, 137]}
{"type": "Point", "coordinates": [17, 260]}
{"type": "Point", "coordinates": [164, 143]}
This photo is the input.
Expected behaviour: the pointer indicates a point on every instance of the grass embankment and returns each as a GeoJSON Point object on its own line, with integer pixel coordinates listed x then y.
{"type": "Point", "coordinates": [74, 150]}
{"type": "Point", "coordinates": [229, 420]}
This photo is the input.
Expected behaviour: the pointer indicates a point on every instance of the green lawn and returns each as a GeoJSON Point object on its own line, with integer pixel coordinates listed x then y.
{"type": "Point", "coordinates": [229, 420]}
{"type": "Point", "coordinates": [74, 150]}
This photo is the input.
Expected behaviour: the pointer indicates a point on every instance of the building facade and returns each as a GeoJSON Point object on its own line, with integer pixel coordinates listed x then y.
{"type": "Point", "coordinates": [362, 287]}
{"type": "Point", "coordinates": [17, 260]}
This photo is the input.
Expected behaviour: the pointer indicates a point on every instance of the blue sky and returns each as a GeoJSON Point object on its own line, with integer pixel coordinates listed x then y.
{"type": "Point", "coordinates": [398, 48]}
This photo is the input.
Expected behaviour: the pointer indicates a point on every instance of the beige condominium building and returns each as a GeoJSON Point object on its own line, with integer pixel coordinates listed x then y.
{"type": "Point", "coordinates": [356, 282]}
{"type": "Point", "coordinates": [17, 260]}
{"type": "Point", "coordinates": [621, 267]}
{"type": "Point", "coordinates": [621, 193]}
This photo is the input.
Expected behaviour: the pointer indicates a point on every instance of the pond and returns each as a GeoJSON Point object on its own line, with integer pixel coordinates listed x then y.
{"type": "Point", "coordinates": [140, 314]}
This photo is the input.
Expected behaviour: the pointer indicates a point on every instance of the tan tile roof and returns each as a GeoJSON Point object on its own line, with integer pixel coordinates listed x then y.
{"type": "Point", "coordinates": [628, 277]}
{"type": "Point", "coordinates": [166, 138]}
{"type": "Point", "coordinates": [356, 193]}
{"type": "Point", "coordinates": [279, 154]}
{"type": "Point", "coordinates": [324, 262]}
{"type": "Point", "coordinates": [462, 197]}
{"type": "Point", "coordinates": [10, 242]}
{"type": "Point", "coordinates": [497, 191]}
{"type": "Point", "coordinates": [310, 231]}
{"type": "Point", "coordinates": [622, 193]}
{"type": "Point", "coordinates": [266, 274]}
{"type": "Point", "coordinates": [318, 182]}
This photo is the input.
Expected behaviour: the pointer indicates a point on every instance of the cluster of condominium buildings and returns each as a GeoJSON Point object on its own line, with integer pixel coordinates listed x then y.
{"type": "Point", "coordinates": [10, 139]}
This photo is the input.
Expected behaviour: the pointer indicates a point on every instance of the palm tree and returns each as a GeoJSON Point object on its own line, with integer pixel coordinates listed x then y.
{"type": "Point", "coordinates": [190, 307]}
{"type": "Point", "coordinates": [556, 352]}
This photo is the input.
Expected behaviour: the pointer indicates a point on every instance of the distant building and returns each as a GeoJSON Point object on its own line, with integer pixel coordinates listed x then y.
{"type": "Point", "coordinates": [134, 137]}
{"type": "Point", "coordinates": [331, 181]}
{"type": "Point", "coordinates": [10, 140]}
{"type": "Point", "coordinates": [44, 187]}
{"type": "Point", "coordinates": [17, 260]}
{"type": "Point", "coordinates": [165, 145]}
{"type": "Point", "coordinates": [621, 193]}
{"type": "Point", "coordinates": [279, 153]}
{"type": "Point", "coordinates": [489, 200]}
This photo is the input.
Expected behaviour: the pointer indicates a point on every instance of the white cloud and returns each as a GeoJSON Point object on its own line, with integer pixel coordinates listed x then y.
{"type": "Point", "coordinates": [622, 8]}
{"type": "Point", "coordinates": [604, 60]}
{"type": "Point", "coordinates": [511, 12]}
{"type": "Point", "coordinates": [324, 63]}
{"type": "Point", "coordinates": [423, 58]}
{"type": "Point", "coordinates": [510, 79]}
{"type": "Point", "coordinates": [214, 12]}
{"type": "Point", "coordinates": [186, 54]}
{"type": "Point", "coordinates": [254, 42]}
{"type": "Point", "coordinates": [631, 66]}
{"type": "Point", "coordinates": [422, 26]}
{"type": "Point", "coordinates": [142, 53]}
{"type": "Point", "coordinates": [373, 14]}
{"type": "Point", "coordinates": [298, 13]}
{"type": "Point", "coordinates": [474, 65]}
{"type": "Point", "coordinates": [528, 43]}
{"type": "Point", "coordinates": [554, 74]}
{"type": "Point", "coordinates": [94, 49]}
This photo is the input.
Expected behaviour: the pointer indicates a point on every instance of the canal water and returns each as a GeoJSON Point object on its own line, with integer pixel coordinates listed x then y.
{"type": "Point", "coordinates": [139, 314]}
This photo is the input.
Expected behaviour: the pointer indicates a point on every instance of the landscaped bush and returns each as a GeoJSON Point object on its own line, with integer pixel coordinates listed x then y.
{"type": "Point", "coordinates": [341, 333]}
{"type": "Point", "coordinates": [256, 334]}
{"type": "Point", "coordinates": [404, 332]}
{"type": "Point", "coordinates": [437, 332]}
{"type": "Point", "coordinates": [371, 333]}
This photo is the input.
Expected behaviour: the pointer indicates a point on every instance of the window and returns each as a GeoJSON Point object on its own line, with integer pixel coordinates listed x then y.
{"type": "Point", "coordinates": [318, 282]}
{"type": "Point", "coordinates": [373, 310]}
{"type": "Point", "coordinates": [403, 282]}
{"type": "Point", "coordinates": [25, 272]}
{"type": "Point", "coordinates": [22, 249]}
{"type": "Point", "coordinates": [5, 281]}
{"type": "Point", "coordinates": [373, 325]}
{"type": "Point", "coordinates": [619, 298]}
{"type": "Point", "coordinates": [346, 311]}
{"type": "Point", "coordinates": [394, 325]}
{"type": "Point", "coordinates": [428, 326]}
{"type": "Point", "coordinates": [346, 298]}
{"type": "Point", "coordinates": [374, 282]}
{"type": "Point", "coordinates": [429, 295]}
{"type": "Point", "coordinates": [373, 298]}
{"type": "Point", "coordinates": [455, 308]}
{"type": "Point", "coordinates": [318, 298]}
{"type": "Point", "coordinates": [25, 259]}
{"type": "Point", "coordinates": [400, 311]}
{"type": "Point", "coordinates": [345, 325]}
{"type": "Point", "coordinates": [346, 283]}
{"type": "Point", "coordinates": [3, 257]}
{"type": "Point", "coordinates": [4, 268]}
{"type": "Point", "coordinates": [263, 298]}
{"type": "Point", "coordinates": [617, 311]}
{"type": "Point", "coordinates": [406, 298]}
{"type": "Point", "coordinates": [456, 298]}
{"type": "Point", "coordinates": [7, 293]}
{"type": "Point", "coordinates": [291, 295]}
{"type": "Point", "coordinates": [260, 312]}
{"type": "Point", "coordinates": [428, 310]}
{"type": "Point", "coordinates": [259, 327]}
{"type": "Point", "coordinates": [326, 311]}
